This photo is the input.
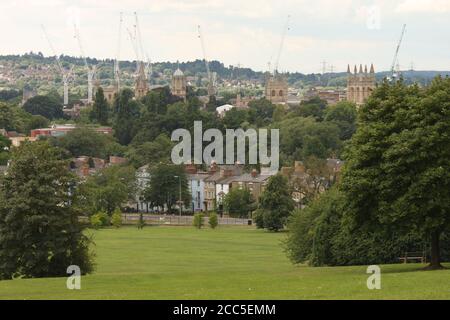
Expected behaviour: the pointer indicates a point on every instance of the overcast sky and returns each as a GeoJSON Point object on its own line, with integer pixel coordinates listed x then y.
{"type": "Point", "coordinates": [247, 32]}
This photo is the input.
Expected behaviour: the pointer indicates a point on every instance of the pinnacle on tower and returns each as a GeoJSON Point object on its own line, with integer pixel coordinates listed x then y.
{"type": "Point", "coordinates": [360, 68]}
{"type": "Point", "coordinates": [365, 69]}
{"type": "Point", "coordinates": [371, 69]}
{"type": "Point", "coordinates": [348, 68]}
{"type": "Point", "coordinates": [356, 70]}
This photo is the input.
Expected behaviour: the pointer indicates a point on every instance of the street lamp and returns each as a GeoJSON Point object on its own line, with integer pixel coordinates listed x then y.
{"type": "Point", "coordinates": [179, 201]}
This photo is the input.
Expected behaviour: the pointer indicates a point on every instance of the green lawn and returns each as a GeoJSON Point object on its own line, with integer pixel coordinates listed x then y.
{"type": "Point", "coordinates": [227, 263]}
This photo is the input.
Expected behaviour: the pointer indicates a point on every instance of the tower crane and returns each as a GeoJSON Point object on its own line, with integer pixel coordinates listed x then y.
{"type": "Point", "coordinates": [211, 80]}
{"type": "Point", "coordinates": [65, 74]}
{"type": "Point", "coordinates": [116, 61]}
{"type": "Point", "coordinates": [394, 73]}
{"type": "Point", "coordinates": [143, 53]}
{"type": "Point", "coordinates": [283, 36]}
{"type": "Point", "coordinates": [90, 70]}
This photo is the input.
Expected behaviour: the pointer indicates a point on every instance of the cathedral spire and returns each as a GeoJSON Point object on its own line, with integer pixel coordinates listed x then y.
{"type": "Point", "coordinates": [348, 68]}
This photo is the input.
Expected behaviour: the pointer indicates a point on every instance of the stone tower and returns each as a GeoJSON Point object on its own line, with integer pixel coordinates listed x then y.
{"type": "Point", "coordinates": [360, 84]}
{"type": "Point", "coordinates": [179, 84]}
{"type": "Point", "coordinates": [276, 90]}
{"type": "Point", "coordinates": [141, 86]}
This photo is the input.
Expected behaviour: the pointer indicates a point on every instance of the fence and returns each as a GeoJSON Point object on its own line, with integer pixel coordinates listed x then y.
{"type": "Point", "coordinates": [133, 218]}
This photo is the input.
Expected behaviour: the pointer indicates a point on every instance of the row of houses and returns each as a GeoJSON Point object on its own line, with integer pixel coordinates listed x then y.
{"type": "Point", "coordinates": [209, 188]}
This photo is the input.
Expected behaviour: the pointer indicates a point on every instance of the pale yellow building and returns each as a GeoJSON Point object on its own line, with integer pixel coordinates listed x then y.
{"type": "Point", "coordinates": [360, 84]}
{"type": "Point", "coordinates": [276, 90]}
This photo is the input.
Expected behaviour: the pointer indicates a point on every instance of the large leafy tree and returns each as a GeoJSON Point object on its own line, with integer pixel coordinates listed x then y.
{"type": "Point", "coordinates": [107, 190]}
{"type": "Point", "coordinates": [275, 204]}
{"type": "Point", "coordinates": [127, 112]}
{"type": "Point", "coordinates": [44, 106]}
{"type": "Point", "coordinates": [84, 141]}
{"type": "Point", "coordinates": [40, 234]}
{"type": "Point", "coordinates": [398, 169]}
{"type": "Point", "coordinates": [99, 111]}
{"type": "Point", "coordinates": [239, 203]}
{"type": "Point", "coordinates": [164, 188]}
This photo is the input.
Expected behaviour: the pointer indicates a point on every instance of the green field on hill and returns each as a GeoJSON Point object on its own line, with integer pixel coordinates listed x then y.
{"type": "Point", "coordinates": [226, 263]}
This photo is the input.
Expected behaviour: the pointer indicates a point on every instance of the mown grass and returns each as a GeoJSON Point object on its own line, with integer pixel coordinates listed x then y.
{"type": "Point", "coordinates": [226, 263]}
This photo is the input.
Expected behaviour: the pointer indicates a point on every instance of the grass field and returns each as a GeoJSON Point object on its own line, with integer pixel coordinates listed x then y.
{"type": "Point", "coordinates": [226, 263]}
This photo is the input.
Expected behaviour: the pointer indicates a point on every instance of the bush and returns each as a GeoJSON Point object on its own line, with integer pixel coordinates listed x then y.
{"type": "Point", "coordinates": [100, 219]}
{"type": "Point", "coordinates": [213, 220]}
{"type": "Point", "coordinates": [258, 218]}
{"type": "Point", "coordinates": [198, 220]}
{"type": "Point", "coordinates": [116, 218]}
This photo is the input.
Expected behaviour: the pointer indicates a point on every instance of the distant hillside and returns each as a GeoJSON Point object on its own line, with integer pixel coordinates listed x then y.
{"type": "Point", "coordinates": [39, 72]}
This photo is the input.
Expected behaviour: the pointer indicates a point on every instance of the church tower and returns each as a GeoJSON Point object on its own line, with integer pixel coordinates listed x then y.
{"type": "Point", "coordinates": [179, 84]}
{"type": "Point", "coordinates": [141, 86]}
{"type": "Point", "coordinates": [276, 90]}
{"type": "Point", "coordinates": [360, 84]}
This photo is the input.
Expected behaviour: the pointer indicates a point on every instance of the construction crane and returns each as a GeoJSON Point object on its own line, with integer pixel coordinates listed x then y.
{"type": "Point", "coordinates": [65, 74]}
{"type": "Point", "coordinates": [143, 54]}
{"type": "Point", "coordinates": [394, 73]}
{"type": "Point", "coordinates": [211, 80]}
{"type": "Point", "coordinates": [90, 70]}
{"type": "Point", "coordinates": [283, 36]}
{"type": "Point", "coordinates": [116, 61]}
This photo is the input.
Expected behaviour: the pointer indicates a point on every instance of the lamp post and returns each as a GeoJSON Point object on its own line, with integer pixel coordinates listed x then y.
{"type": "Point", "coordinates": [179, 201]}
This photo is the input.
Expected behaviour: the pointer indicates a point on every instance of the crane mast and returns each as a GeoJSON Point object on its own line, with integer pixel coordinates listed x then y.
{"type": "Point", "coordinates": [90, 70]}
{"type": "Point", "coordinates": [394, 74]}
{"type": "Point", "coordinates": [66, 75]}
{"type": "Point", "coordinates": [116, 61]}
{"type": "Point", "coordinates": [211, 82]}
{"type": "Point", "coordinates": [143, 53]}
{"type": "Point", "coordinates": [283, 36]}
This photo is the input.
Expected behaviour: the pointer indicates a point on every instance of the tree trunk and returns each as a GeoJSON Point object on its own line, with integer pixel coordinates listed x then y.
{"type": "Point", "coordinates": [435, 262]}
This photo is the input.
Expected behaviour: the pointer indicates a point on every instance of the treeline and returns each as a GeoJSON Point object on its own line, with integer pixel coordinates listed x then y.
{"type": "Point", "coordinates": [394, 193]}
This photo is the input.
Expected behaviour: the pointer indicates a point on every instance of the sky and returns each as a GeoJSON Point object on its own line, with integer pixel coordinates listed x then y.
{"type": "Point", "coordinates": [239, 32]}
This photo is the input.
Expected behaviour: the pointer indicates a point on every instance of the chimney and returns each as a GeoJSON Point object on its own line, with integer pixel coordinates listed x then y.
{"type": "Point", "coordinates": [190, 168]}
{"type": "Point", "coordinates": [254, 173]}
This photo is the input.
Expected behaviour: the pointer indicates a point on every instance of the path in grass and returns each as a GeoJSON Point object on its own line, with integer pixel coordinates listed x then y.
{"type": "Point", "coordinates": [226, 263]}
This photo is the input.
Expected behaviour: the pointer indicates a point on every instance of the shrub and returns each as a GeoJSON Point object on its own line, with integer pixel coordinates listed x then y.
{"type": "Point", "coordinates": [198, 220]}
{"type": "Point", "coordinates": [213, 220]}
{"type": "Point", "coordinates": [116, 218]}
{"type": "Point", "coordinates": [100, 219]}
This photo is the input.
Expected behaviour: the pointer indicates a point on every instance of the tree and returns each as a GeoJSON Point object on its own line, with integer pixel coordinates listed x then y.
{"type": "Point", "coordinates": [44, 106]}
{"type": "Point", "coordinates": [213, 220]}
{"type": "Point", "coordinates": [40, 235]}
{"type": "Point", "coordinates": [239, 203]}
{"type": "Point", "coordinates": [127, 112]}
{"type": "Point", "coordinates": [116, 218]}
{"type": "Point", "coordinates": [107, 190]}
{"type": "Point", "coordinates": [398, 168]}
{"type": "Point", "coordinates": [164, 188]}
{"type": "Point", "coordinates": [198, 220]}
{"type": "Point", "coordinates": [343, 114]}
{"type": "Point", "coordinates": [151, 151]}
{"type": "Point", "coordinates": [85, 141]}
{"type": "Point", "coordinates": [275, 204]}
{"type": "Point", "coordinates": [314, 107]}
{"type": "Point", "coordinates": [99, 111]}
{"type": "Point", "coordinates": [319, 235]}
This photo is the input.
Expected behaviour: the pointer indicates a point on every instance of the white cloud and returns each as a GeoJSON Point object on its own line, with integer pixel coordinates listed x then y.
{"type": "Point", "coordinates": [422, 6]}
